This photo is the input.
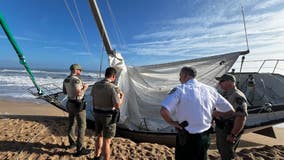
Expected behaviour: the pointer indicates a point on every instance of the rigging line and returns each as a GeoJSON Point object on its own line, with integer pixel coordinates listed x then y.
{"type": "Point", "coordinates": [117, 30]}
{"type": "Point", "coordinates": [84, 33]}
{"type": "Point", "coordinates": [76, 25]}
{"type": "Point", "coordinates": [244, 21]}
{"type": "Point", "coordinates": [82, 26]}
{"type": "Point", "coordinates": [101, 61]}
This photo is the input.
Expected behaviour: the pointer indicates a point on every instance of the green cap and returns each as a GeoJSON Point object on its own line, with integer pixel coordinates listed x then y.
{"type": "Point", "coordinates": [75, 66]}
{"type": "Point", "coordinates": [226, 77]}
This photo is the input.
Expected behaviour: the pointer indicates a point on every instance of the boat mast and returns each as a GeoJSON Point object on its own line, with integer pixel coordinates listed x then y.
{"type": "Point", "coordinates": [246, 36]}
{"type": "Point", "coordinates": [101, 27]}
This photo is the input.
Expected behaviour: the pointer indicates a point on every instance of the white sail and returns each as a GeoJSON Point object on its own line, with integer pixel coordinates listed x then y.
{"type": "Point", "coordinates": [146, 86]}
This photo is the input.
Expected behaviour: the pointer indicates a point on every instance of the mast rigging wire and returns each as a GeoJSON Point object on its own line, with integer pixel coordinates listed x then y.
{"type": "Point", "coordinates": [118, 32]}
{"type": "Point", "coordinates": [80, 29]}
{"type": "Point", "coordinates": [76, 25]}
{"type": "Point", "coordinates": [82, 26]}
{"type": "Point", "coordinates": [246, 35]}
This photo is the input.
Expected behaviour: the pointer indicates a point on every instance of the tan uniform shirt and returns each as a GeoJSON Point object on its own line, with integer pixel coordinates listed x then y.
{"type": "Point", "coordinates": [105, 95]}
{"type": "Point", "coordinates": [70, 85]}
{"type": "Point", "coordinates": [238, 100]}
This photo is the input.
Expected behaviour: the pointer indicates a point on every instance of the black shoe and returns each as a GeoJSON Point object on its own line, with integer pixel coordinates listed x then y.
{"type": "Point", "coordinates": [81, 152]}
{"type": "Point", "coordinates": [71, 146]}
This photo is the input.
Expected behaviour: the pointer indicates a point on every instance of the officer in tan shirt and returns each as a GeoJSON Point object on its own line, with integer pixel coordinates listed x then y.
{"type": "Point", "coordinates": [229, 128]}
{"type": "Point", "coordinates": [74, 87]}
{"type": "Point", "coordinates": [107, 99]}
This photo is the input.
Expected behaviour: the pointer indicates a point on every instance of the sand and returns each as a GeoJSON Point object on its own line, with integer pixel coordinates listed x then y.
{"type": "Point", "coordinates": [38, 131]}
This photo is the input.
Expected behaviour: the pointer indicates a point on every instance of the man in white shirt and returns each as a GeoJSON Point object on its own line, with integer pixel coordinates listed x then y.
{"type": "Point", "coordinates": [192, 102]}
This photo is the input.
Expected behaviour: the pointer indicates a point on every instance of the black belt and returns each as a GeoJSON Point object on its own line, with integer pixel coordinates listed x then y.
{"type": "Point", "coordinates": [72, 100]}
{"type": "Point", "coordinates": [75, 100]}
{"type": "Point", "coordinates": [103, 111]}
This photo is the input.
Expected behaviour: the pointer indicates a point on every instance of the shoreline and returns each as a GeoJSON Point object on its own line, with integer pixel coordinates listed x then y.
{"type": "Point", "coordinates": [29, 108]}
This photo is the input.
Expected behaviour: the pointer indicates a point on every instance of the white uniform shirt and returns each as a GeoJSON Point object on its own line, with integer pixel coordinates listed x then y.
{"type": "Point", "coordinates": [194, 102]}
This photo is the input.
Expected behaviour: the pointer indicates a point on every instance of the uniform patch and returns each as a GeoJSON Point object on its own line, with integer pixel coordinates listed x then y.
{"type": "Point", "coordinates": [172, 91]}
{"type": "Point", "coordinates": [241, 105]}
{"type": "Point", "coordinates": [77, 81]}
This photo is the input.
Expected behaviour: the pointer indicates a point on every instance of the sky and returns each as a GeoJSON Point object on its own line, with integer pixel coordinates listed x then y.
{"type": "Point", "coordinates": [53, 34]}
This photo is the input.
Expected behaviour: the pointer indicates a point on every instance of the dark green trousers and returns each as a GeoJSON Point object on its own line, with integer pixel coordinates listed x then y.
{"type": "Point", "coordinates": [76, 118]}
{"type": "Point", "coordinates": [194, 148]}
{"type": "Point", "coordinates": [225, 148]}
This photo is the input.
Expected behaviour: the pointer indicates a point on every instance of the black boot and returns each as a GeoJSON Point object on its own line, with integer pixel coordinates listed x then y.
{"type": "Point", "coordinates": [81, 152]}
{"type": "Point", "coordinates": [71, 146]}
{"type": "Point", "coordinates": [98, 158]}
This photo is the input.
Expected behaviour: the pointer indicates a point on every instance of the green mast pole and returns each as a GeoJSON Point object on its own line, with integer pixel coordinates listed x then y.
{"type": "Point", "coordinates": [19, 52]}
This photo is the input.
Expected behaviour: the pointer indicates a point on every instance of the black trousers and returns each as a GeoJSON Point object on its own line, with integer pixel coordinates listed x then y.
{"type": "Point", "coordinates": [194, 148]}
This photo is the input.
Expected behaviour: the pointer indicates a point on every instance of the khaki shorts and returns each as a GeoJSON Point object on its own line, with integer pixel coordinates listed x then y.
{"type": "Point", "coordinates": [103, 124]}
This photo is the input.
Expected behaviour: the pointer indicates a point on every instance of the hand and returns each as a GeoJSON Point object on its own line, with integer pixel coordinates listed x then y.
{"type": "Point", "coordinates": [231, 138]}
{"type": "Point", "coordinates": [121, 94]}
{"type": "Point", "coordinates": [216, 114]}
{"type": "Point", "coordinates": [176, 125]}
{"type": "Point", "coordinates": [85, 86]}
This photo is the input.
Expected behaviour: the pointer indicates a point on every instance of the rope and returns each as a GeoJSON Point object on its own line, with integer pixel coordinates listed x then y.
{"type": "Point", "coordinates": [83, 31]}
{"type": "Point", "coordinates": [80, 29]}
{"type": "Point", "coordinates": [76, 25]}
{"type": "Point", "coordinates": [116, 27]}
{"type": "Point", "coordinates": [82, 26]}
{"type": "Point", "coordinates": [101, 62]}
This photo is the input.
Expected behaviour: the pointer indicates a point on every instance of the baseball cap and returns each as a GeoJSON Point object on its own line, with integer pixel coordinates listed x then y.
{"type": "Point", "coordinates": [226, 77]}
{"type": "Point", "coordinates": [75, 66]}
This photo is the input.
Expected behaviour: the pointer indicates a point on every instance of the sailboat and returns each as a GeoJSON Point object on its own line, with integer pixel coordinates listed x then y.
{"type": "Point", "coordinates": [145, 86]}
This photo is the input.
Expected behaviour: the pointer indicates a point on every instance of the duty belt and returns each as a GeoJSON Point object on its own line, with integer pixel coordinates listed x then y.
{"type": "Point", "coordinates": [103, 111]}
{"type": "Point", "coordinates": [75, 99]}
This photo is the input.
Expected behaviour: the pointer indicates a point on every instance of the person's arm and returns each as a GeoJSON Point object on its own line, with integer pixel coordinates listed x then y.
{"type": "Point", "coordinates": [80, 91]}
{"type": "Point", "coordinates": [92, 95]}
{"type": "Point", "coordinates": [223, 115]}
{"type": "Point", "coordinates": [120, 101]}
{"type": "Point", "coordinates": [117, 97]}
{"type": "Point", "coordinates": [240, 118]}
{"type": "Point", "coordinates": [64, 89]}
{"type": "Point", "coordinates": [239, 124]}
{"type": "Point", "coordinates": [166, 116]}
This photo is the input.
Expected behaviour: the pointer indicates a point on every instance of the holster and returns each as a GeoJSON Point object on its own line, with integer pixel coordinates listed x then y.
{"type": "Point", "coordinates": [115, 116]}
{"type": "Point", "coordinates": [182, 134]}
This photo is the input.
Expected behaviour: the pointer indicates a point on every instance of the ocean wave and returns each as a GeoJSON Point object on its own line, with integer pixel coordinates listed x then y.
{"type": "Point", "coordinates": [16, 82]}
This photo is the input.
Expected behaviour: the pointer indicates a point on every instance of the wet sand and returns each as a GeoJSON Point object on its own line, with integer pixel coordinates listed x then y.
{"type": "Point", "coordinates": [38, 131]}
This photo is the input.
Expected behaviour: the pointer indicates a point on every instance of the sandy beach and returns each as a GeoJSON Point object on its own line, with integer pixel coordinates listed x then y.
{"type": "Point", "coordinates": [38, 131]}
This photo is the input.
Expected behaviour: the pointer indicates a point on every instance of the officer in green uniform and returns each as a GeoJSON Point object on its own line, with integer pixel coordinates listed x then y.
{"type": "Point", "coordinates": [107, 99]}
{"type": "Point", "coordinates": [229, 128]}
{"type": "Point", "coordinates": [75, 89]}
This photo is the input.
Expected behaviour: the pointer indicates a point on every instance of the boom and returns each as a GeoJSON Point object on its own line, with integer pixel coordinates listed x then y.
{"type": "Point", "coordinates": [19, 53]}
